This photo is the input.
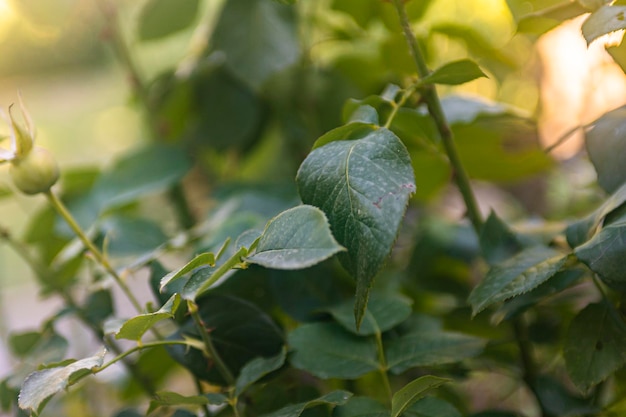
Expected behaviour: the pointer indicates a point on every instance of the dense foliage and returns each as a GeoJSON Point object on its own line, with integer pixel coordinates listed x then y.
{"type": "Point", "coordinates": [326, 276]}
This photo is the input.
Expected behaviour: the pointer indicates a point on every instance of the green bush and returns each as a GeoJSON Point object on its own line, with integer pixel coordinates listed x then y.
{"type": "Point", "coordinates": [349, 291]}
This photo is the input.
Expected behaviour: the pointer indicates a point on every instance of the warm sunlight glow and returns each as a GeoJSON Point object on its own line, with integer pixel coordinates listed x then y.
{"type": "Point", "coordinates": [578, 85]}
{"type": "Point", "coordinates": [7, 18]}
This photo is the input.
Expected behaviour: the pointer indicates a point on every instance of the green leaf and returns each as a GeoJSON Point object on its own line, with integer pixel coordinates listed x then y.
{"type": "Point", "coordinates": [206, 278]}
{"type": "Point", "coordinates": [295, 239]}
{"type": "Point", "coordinates": [454, 73]}
{"type": "Point", "coordinates": [134, 328]}
{"type": "Point", "coordinates": [543, 20]}
{"type": "Point", "coordinates": [135, 175]}
{"type": "Point", "coordinates": [168, 399]}
{"type": "Point", "coordinates": [40, 385]}
{"type": "Point", "coordinates": [497, 241]}
{"type": "Point", "coordinates": [361, 407]}
{"type": "Point", "coordinates": [351, 131]}
{"type": "Point", "coordinates": [429, 348]}
{"type": "Point", "coordinates": [365, 114]}
{"type": "Point", "coordinates": [363, 186]}
{"type": "Point", "coordinates": [207, 258]}
{"type": "Point", "coordinates": [413, 391]}
{"type": "Point", "coordinates": [604, 254]}
{"type": "Point", "coordinates": [161, 18]}
{"type": "Point", "coordinates": [333, 398]}
{"type": "Point", "coordinates": [605, 20]}
{"type": "Point", "coordinates": [383, 312]}
{"type": "Point", "coordinates": [605, 144]}
{"type": "Point", "coordinates": [579, 232]}
{"type": "Point", "coordinates": [127, 236]}
{"type": "Point", "coordinates": [594, 346]}
{"type": "Point", "coordinates": [258, 37]}
{"type": "Point", "coordinates": [240, 332]}
{"type": "Point", "coordinates": [432, 407]}
{"type": "Point", "coordinates": [557, 400]}
{"type": "Point", "coordinates": [326, 350]}
{"type": "Point", "coordinates": [515, 276]}
{"type": "Point", "coordinates": [256, 369]}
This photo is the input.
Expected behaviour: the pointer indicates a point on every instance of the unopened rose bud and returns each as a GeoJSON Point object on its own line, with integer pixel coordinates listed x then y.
{"type": "Point", "coordinates": [35, 173]}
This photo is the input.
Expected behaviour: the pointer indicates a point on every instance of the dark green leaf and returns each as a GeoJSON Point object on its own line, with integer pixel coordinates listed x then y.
{"type": "Point", "coordinates": [350, 131]}
{"type": "Point", "coordinates": [302, 294]}
{"type": "Point", "coordinates": [126, 236]}
{"type": "Point", "coordinates": [228, 114]}
{"type": "Point", "coordinates": [383, 312]}
{"type": "Point", "coordinates": [326, 350]}
{"type": "Point", "coordinates": [160, 18]}
{"type": "Point", "coordinates": [146, 171]}
{"type": "Point", "coordinates": [558, 401]}
{"type": "Point", "coordinates": [454, 73]}
{"type": "Point", "coordinates": [256, 369]}
{"type": "Point", "coordinates": [413, 391]}
{"type": "Point", "coordinates": [22, 344]}
{"type": "Point", "coordinates": [605, 143]}
{"type": "Point", "coordinates": [605, 20]}
{"type": "Point", "coordinates": [258, 37]}
{"type": "Point", "coordinates": [515, 276]}
{"type": "Point", "coordinates": [98, 307]}
{"type": "Point", "coordinates": [40, 385]}
{"type": "Point", "coordinates": [432, 407]}
{"type": "Point", "coordinates": [134, 328]}
{"type": "Point", "coordinates": [594, 346]}
{"type": "Point", "coordinates": [604, 254]}
{"type": "Point", "coordinates": [363, 186]}
{"type": "Point", "coordinates": [240, 333]}
{"type": "Point", "coordinates": [295, 239]}
{"type": "Point", "coordinates": [430, 348]}
{"type": "Point", "coordinates": [333, 398]}
{"type": "Point", "coordinates": [497, 241]}
{"type": "Point", "coordinates": [579, 232]}
{"type": "Point", "coordinates": [361, 407]}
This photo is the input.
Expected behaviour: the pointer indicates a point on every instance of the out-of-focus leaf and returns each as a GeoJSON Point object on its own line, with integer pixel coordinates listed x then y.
{"type": "Point", "coordinates": [594, 346]}
{"type": "Point", "coordinates": [326, 350]}
{"type": "Point", "coordinates": [169, 399]}
{"type": "Point", "coordinates": [126, 236]}
{"type": "Point", "coordinates": [361, 407]}
{"type": "Point", "coordinates": [333, 398]}
{"type": "Point", "coordinates": [605, 20]}
{"type": "Point", "coordinates": [203, 259]}
{"type": "Point", "coordinates": [430, 348]}
{"type": "Point", "coordinates": [258, 37]}
{"type": "Point", "coordinates": [543, 20]}
{"type": "Point", "coordinates": [454, 73]}
{"type": "Point", "coordinates": [161, 18]}
{"type": "Point", "coordinates": [239, 331]}
{"type": "Point", "coordinates": [432, 407]}
{"type": "Point", "coordinates": [605, 143]}
{"type": "Point", "coordinates": [383, 313]}
{"type": "Point", "coordinates": [581, 231]}
{"type": "Point", "coordinates": [256, 369]}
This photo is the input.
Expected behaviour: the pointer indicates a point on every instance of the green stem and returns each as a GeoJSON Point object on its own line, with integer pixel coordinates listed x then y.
{"type": "Point", "coordinates": [67, 216]}
{"type": "Point", "coordinates": [383, 367]}
{"type": "Point", "coordinates": [208, 343]}
{"type": "Point", "coordinates": [429, 94]}
{"type": "Point", "coordinates": [137, 348]}
{"type": "Point", "coordinates": [529, 368]}
{"type": "Point", "coordinates": [396, 106]}
{"type": "Point", "coordinates": [42, 274]}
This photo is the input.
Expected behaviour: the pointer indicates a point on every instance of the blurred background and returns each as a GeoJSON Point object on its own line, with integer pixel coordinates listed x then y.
{"type": "Point", "coordinates": [58, 54]}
